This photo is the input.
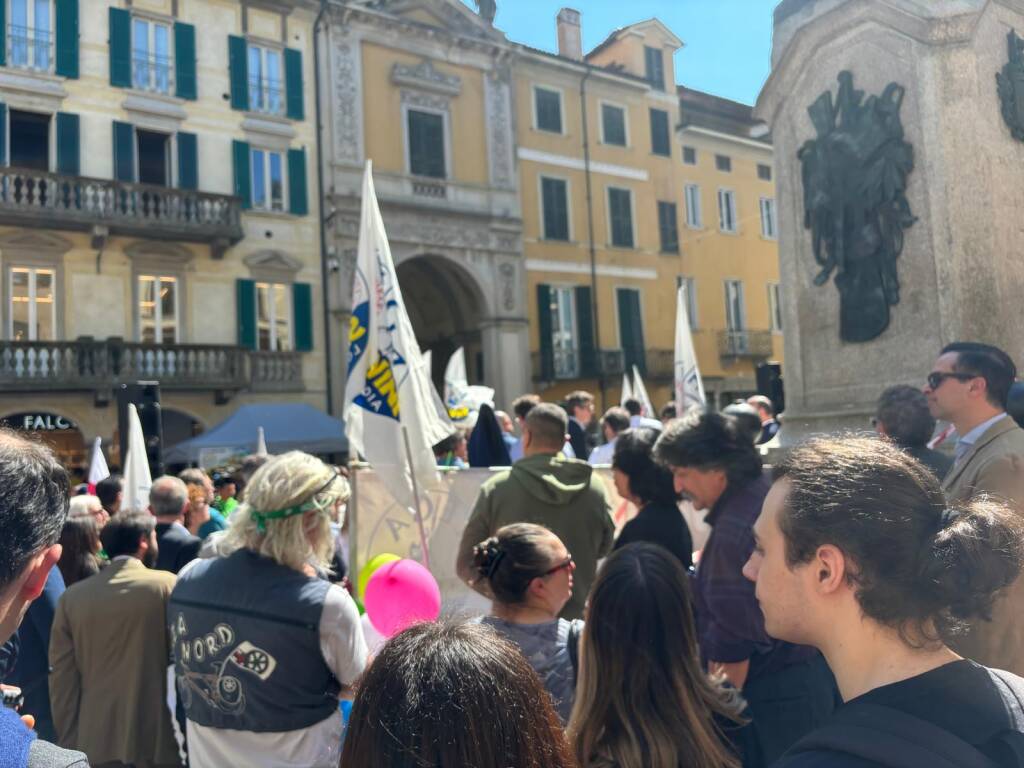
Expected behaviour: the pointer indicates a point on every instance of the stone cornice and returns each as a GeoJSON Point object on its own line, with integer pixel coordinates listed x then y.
{"type": "Point", "coordinates": [424, 76]}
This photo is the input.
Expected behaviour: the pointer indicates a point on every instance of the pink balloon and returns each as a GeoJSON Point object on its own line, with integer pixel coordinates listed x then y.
{"type": "Point", "coordinates": [399, 595]}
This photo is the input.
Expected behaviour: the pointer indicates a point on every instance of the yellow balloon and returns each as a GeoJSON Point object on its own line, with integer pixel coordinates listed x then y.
{"type": "Point", "coordinates": [371, 567]}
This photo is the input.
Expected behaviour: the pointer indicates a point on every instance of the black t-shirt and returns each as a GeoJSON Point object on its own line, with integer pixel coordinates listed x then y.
{"type": "Point", "coordinates": [660, 524]}
{"type": "Point", "coordinates": [965, 699]}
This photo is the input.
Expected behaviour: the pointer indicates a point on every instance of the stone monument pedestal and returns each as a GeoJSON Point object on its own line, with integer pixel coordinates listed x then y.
{"type": "Point", "coordinates": [959, 266]}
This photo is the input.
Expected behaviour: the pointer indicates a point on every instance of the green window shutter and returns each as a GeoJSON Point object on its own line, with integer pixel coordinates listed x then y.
{"type": "Point", "coordinates": [585, 331]}
{"type": "Point", "coordinates": [660, 144]}
{"type": "Point", "coordinates": [621, 213]}
{"type": "Point", "coordinates": [556, 213]}
{"type": "Point", "coordinates": [548, 108]}
{"type": "Point", "coordinates": [243, 172]}
{"type": "Point", "coordinates": [66, 64]}
{"type": "Point", "coordinates": [302, 309]}
{"type": "Point", "coordinates": [120, 48]}
{"type": "Point", "coordinates": [547, 352]}
{"type": "Point", "coordinates": [3, 130]}
{"type": "Point", "coordinates": [3, 36]}
{"type": "Point", "coordinates": [296, 109]}
{"type": "Point", "coordinates": [668, 227]}
{"type": "Point", "coordinates": [185, 61]}
{"type": "Point", "coordinates": [613, 121]}
{"type": "Point", "coordinates": [238, 66]}
{"type": "Point", "coordinates": [68, 144]}
{"type": "Point", "coordinates": [298, 198]}
{"type": "Point", "coordinates": [426, 144]}
{"type": "Point", "coordinates": [188, 161]}
{"type": "Point", "coordinates": [631, 332]}
{"type": "Point", "coordinates": [246, 307]}
{"type": "Point", "coordinates": [124, 151]}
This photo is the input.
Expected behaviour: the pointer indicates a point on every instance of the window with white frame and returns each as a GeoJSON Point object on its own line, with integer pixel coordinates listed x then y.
{"type": "Point", "coordinates": [775, 307]}
{"type": "Point", "coordinates": [693, 213]}
{"type": "Point", "coordinates": [613, 125]}
{"type": "Point", "coordinates": [32, 309]}
{"type": "Point", "coordinates": [158, 309]}
{"type": "Point", "coordinates": [768, 218]}
{"type": "Point", "coordinates": [727, 210]}
{"type": "Point", "coordinates": [735, 314]}
{"type": "Point", "coordinates": [564, 341]}
{"type": "Point", "coordinates": [266, 86]}
{"type": "Point", "coordinates": [547, 109]}
{"type": "Point", "coordinates": [273, 317]}
{"type": "Point", "coordinates": [30, 35]}
{"type": "Point", "coordinates": [267, 180]}
{"type": "Point", "coordinates": [620, 217]}
{"type": "Point", "coordinates": [151, 55]}
{"type": "Point", "coordinates": [689, 286]}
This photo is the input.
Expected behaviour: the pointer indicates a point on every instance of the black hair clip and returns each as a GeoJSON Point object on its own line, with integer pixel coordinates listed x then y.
{"type": "Point", "coordinates": [495, 562]}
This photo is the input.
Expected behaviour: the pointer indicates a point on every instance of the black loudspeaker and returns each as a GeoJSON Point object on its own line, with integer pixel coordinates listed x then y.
{"type": "Point", "coordinates": [769, 384]}
{"type": "Point", "coordinates": [145, 396]}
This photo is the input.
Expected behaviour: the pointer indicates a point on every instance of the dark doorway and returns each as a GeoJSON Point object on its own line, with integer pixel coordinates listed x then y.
{"type": "Point", "coordinates": [154, 152]}
{"type": "Point", "coordinates": [30, 140]}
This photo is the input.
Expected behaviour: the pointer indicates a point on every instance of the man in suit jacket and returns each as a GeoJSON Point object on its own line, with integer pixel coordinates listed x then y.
{"type": "Point", "coordinates": [968, 386]}
{"type": "Point", "coordinates": [168, 500]}
{"type": "Point", "coordinates": [109, 653]}
{"type": "Point", "coordinates": [580, 406]}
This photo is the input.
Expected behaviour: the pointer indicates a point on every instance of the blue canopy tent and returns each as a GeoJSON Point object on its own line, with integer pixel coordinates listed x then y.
{"type": "Point", "coordinates": [286, 427]}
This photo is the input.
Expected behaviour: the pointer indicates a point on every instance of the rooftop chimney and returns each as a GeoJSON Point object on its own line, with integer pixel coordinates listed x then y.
{"type": "Point", "coordinates": [570, 36]}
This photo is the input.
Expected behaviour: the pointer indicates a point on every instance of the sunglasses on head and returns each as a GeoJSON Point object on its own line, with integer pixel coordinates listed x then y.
{"type": "Point", "coordinates": [935, 378]}
{"type": "Point", "coordinates": [567, 563]}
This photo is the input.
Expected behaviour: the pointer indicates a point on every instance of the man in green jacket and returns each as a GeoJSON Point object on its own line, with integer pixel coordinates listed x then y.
{"type": "Point", "coordinates": [547, 489]}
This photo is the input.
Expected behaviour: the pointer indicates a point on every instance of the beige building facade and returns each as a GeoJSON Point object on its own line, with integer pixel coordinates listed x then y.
{"type": "Point", "coordinates": [158, 212]}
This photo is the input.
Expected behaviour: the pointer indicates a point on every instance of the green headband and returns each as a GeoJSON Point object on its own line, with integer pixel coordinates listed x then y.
{"type": "Point", "coordinates": [280, 514]}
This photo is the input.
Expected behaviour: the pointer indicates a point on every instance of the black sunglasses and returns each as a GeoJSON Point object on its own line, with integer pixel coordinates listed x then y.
{"type": "Point", "coordinates": [935, 378]}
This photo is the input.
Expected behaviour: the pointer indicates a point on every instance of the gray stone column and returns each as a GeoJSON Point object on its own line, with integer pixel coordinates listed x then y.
{"type": "Point", "coordinates": [959, 272]}
{"type": "Point", "coordinates": [506, 347]}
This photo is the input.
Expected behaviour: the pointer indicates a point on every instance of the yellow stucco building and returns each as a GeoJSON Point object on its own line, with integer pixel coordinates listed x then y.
{"type": "Point", "coordinates": [159, 216]}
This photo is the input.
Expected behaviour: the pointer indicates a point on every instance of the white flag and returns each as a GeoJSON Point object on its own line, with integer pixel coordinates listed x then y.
{"type": "Point", "coordinates": [97, 465]}
{"type": "Point", "coordinates": [627, 389]}
{"type": "Point", "coordinates": [460, 398]}
{"type": "Point", "coordinates": [137, 480]}
{"type": "Point", "coordinates": [261, 442]}
{"type": "Point", "coordinates": [689, 389]}
{"type": "Point", "coordinates": [388, 387]}
{"type": "Point", "coordinates": [428, 364]}
{"type": "Point", "coordinates": [640, 393]}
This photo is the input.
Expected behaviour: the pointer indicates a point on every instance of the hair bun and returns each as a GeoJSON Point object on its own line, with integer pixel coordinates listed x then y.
{"type": "Point", "coordinates": [486, 556]}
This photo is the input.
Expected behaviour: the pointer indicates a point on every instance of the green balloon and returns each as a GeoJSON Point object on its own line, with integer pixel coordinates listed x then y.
{"type": "Point", "coordinates": [371, 567]}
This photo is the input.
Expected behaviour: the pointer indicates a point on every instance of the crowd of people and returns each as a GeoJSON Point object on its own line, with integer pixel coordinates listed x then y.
{"type": "Point", "coordinates": [858, 603]}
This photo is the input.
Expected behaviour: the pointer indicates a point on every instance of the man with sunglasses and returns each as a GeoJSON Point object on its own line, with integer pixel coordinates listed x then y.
{"type": "Point", "coordinates": [969, 386]}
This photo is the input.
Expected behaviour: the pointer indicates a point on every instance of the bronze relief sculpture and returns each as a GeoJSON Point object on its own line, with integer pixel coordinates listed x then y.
{"type": "Point", "coordinates": [855, 180]}
{"type": "Point", "coordinates": [1010, 85]}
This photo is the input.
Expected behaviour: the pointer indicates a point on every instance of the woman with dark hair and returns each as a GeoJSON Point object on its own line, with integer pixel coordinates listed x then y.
{"type": "Point", "coordinates": [643, 698]}
{"type": "Point", "coordinates": [79, 558]}
{"type": "Point", "coordinates": [861, 556]}
{"type": "Point", "coordinates": [787, 687]}
{"type": "Point", "coordinates": [453, 695]}
{"type": "Point", "coordinates": [529, 572]}
{"type": "Point", "coordinates": [649, 485]}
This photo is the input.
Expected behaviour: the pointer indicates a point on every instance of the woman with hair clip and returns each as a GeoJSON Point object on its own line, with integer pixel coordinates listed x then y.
{"type": "Point", "coordinates": [643, 699]}
{"type": "Point", "coordinates": [262, 646]}
{"type": "Point", "coordinates": [529, 571]}
{"type": "Point", "coordinates": [860, 555]}
{"type": "Point", "coordinates": [649, 486]}
{"type": "Point", "coordinates": [453, 694]}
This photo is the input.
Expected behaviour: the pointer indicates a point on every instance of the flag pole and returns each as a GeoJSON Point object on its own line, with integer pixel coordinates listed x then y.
{"type": "Point", "coordinates": [416, 499]}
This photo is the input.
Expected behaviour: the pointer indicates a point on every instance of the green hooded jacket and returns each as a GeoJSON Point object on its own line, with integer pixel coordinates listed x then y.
{"type": "Point", "coordinates": [563, 495]}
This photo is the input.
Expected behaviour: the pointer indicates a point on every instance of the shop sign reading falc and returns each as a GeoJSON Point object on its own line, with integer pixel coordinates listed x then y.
{"type": "Point", "coordinates": [39, 422]}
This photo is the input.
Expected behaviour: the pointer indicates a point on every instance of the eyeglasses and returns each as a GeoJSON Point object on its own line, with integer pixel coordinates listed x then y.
{"type": "Point", "coordinates": [567, 563]}
{"type": "Point", "coordinates": [935, 378]}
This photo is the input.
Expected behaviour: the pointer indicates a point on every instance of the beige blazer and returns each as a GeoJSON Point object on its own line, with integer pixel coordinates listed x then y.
{"type": "Point", "coordinates": [995, 465]}
{"type": "Point", "coordinates": [109, 655]}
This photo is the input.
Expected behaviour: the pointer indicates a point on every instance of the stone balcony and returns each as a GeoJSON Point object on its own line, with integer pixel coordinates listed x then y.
{"type": "Point", "coordinates": [745, 344]}
{"type": "Point", "coordinates": [99, 366]}
{"type": "Point", "coordinates": [104, 207]}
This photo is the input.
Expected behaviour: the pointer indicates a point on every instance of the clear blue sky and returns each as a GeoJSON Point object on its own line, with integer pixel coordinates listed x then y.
{"type": "Point", "coordinates": [727, 42]}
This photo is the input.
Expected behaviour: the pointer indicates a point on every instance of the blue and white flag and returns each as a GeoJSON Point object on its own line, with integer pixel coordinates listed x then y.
{"type": "Point", "coordinates": [689, 389]}
{"type": "Point", "coordinates": [388, 387]}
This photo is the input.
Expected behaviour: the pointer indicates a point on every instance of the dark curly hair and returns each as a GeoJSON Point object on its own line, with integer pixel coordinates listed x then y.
{"type": "Point", "coordinates": [919, 565]}
{"type": "Point", "coordinates": [903, 412]}
{"type": "Point", "coordinates": [634, 457]}
{"type": "Point", "coordinates": [710, 440]}
{"type": "Point", "coordinates": [513, 557]}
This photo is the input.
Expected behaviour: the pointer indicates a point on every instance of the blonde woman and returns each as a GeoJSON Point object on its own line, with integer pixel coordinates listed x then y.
{"type": "Point", "coordinates": [643, 700]}
{"type": "Point", "coordinates": [262, 646]}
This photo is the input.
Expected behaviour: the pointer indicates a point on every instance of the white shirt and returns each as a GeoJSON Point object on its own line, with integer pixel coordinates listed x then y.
{"type": "Point", "coordinates": [964, 444]}
{"type": "Point", "coordinates": [319, 746]}
{"type": "Point", "coordinates": [603, 453]}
